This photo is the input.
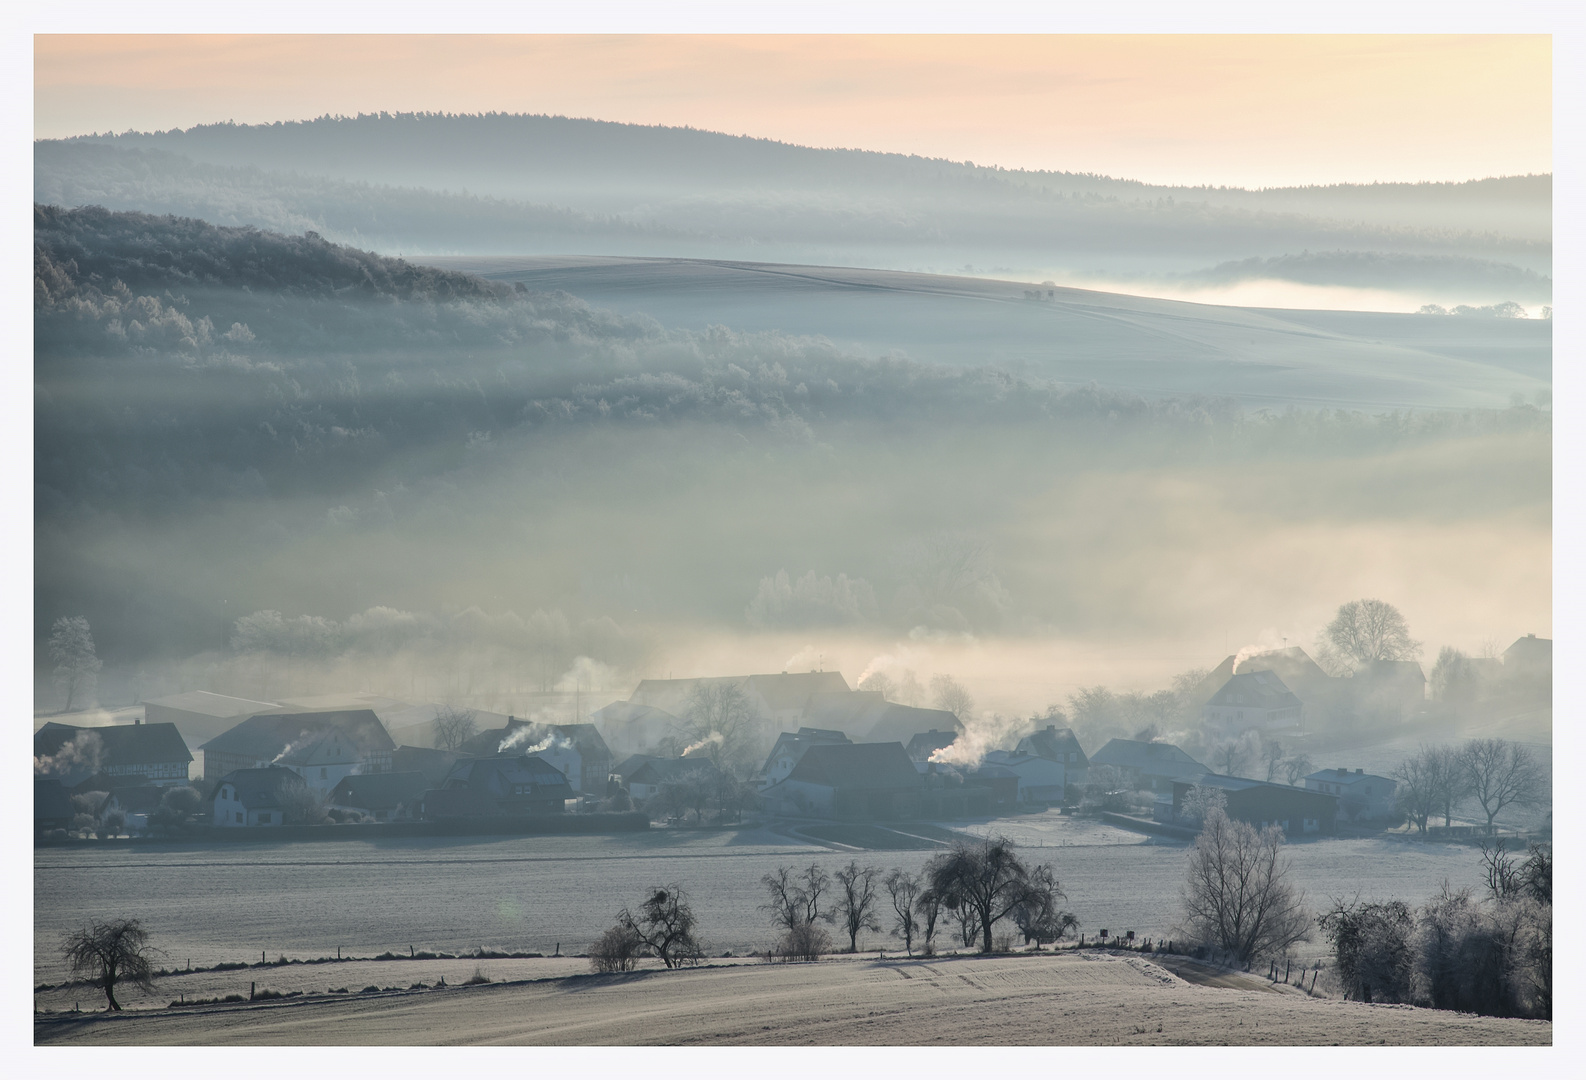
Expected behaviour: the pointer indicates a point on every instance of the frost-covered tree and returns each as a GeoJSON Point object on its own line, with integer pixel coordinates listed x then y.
{"type": "Point", "coordinates": [1364, 631]}
{"type": "Point", "coordinates": [1238, 895]}
{"type": "Point", "coordinates": [71, 648]}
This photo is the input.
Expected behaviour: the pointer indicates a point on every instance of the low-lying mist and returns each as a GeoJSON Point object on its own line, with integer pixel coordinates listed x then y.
{"type": "Point", "coordinates": [355, 477]}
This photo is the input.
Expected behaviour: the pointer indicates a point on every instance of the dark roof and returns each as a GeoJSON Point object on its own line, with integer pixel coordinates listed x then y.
{"type": "Point", "coordinates": [586, 737]}
{"type": "Point", "coordinates": [632, 764]}
{"type": "Point", "coordinates": [800, 741]}
{"type": "Point", "coordinates": [1530, 649]}
{"type": "Point", "coordinates": [50, 801]}
{"type": "Point", "coordinates": [663, 770]}
{"type": "Point", "coordinates": [135, 800]}
{"type": "Point", "coordinates": [1293, 665]}
{"type": "Point", "coordinates": [794, 690]}
{"type": "Point", "coordinates": [267, 736]}
{"type": "Point", "coordinates": [379, 791]}
{"type": "Point", "coordinates": [1052, 743]}
{"type": "Point", "coordinates": [1231, 783]}
{"type": "Point", "coordinates": [497, 774]}
{"type": "Point", "coordinates": [121, 744]}
{"type": "Point", "coordinates": [926, 743]}
{"type": "Point", "coordinates": [1344, 776]}
{"type": "Point", "coordinates": [260, 789]}
{"type": "Point", "coordinates": [624, 713]}
{"type": "Point", "coordinates": [1254, 690]}
{"type": "Point", "coordinates": [434, 764]}
{"type": "Point", "coordinates": [1388, 670]}
{"type": "Point", "coordinates": [865, 766]}
{"type": "Point", "coordinates": [1154, 758]}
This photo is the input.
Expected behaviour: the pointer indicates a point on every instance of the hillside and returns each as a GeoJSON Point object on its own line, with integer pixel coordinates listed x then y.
{"type": "Point", "coordinates": [1067, 1000]}
{"type": "Point", "coordinates": [534, 185]}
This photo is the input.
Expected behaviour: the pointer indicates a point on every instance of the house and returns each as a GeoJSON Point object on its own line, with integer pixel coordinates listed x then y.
{"type": "Point", "coordinates": [923, 744]}
{"type": "Point", "coordinates": [849, 781]}
{"type": "Point", "coordinates": [135, 753]}
{"type": "Point", "coordinates": [789, 748]}
{"type": "Point", "coordinates": [1001, 784]}
{"type": "Point", "coordinates": [1293, 665]}
{"type": "Point", "coordinates": [646, 781]}
{"type": "Point", "coordinates": [1361, 796]}
{"type": "Point", "coordinates": [1040, 780]}
{"type": "Point", "coordinates": [503, 785]}
{"type": "Point", "coordinates": [259, 741]}
{"type": "Point", "coordinates": [1297, 811]}
{"type": "Point", "coordinates": [414, 725]}
{"type": "Point", "coordinates": [436, 765]}
{"type": "Point", "coordinates": [200, 715]}
{"type": "Point", "coordinates": [262, 797]}
{"type": "Point", "coordinates": [1060, 745]}
{"type": "Point", "coordinates": [634, 727]}
{"type": "Point", "coordinates": [594, 756]}
{"type": "Point", "coordinates": [134, 804]}
{"type": "Point", "coordinates": [550, 743]}
{"type": "Point", "coordinates": [1530, 655]}
{"type": "Point", "coordinates": [1256, 700]}
{"type": "Point", "coordinates": [1147, 765]}
{"type": "Point", "coordinates": [390, 796]}
{"type": "Point", "coordinates": [52, 807]}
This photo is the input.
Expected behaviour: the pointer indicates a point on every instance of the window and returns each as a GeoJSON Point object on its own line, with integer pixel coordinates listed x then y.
{"type": "Point", "coordinates": [264, 817]}
{"type": "Point", "coordinates": [239, 817]}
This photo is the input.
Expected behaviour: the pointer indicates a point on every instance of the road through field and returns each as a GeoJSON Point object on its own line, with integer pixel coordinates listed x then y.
{"type": "Point", "coordinates": [1072, 999]}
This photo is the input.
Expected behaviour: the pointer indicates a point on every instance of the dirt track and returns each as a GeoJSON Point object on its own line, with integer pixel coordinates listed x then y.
{"type": "Point", "coordinates": [1012, 1000]}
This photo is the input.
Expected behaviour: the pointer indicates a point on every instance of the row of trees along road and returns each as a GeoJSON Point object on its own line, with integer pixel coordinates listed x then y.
{"type": "Point", "coordinates": [1495, 773]}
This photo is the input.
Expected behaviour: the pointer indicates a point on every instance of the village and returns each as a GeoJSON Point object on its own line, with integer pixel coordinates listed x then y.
{"type": "Point", "coordinates": [788, 747]}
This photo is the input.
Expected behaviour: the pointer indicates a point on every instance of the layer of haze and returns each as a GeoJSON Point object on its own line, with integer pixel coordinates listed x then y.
{"type": "Point", "coordinates": [1246, 110]}
{"type": "Point", "coordinates": [449, 487]}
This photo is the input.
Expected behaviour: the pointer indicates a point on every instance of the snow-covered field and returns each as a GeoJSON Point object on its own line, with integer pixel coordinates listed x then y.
{"type": "Point", "coordinates": [1068, 999]}
{"type": "Point", "coordinates": [230, 902]}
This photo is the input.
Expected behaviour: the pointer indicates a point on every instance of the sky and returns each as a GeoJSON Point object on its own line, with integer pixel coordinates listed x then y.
{"type": "Point", "coordinates": [1245, 110]}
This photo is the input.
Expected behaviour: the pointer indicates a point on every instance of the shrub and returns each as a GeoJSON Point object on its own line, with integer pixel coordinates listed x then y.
{"type": "Point", "coordinates": [805, 942]}
{"type": "Point", "coordinates": [478, 978]}
{"type": "Point", "coordinates": [618, 949]}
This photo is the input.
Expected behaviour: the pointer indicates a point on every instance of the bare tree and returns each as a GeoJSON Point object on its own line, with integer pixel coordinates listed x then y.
{"type": "Point", "coordinates": [1237, 895]}
{"type": "Point", "coordinates": [1272, 755]}
{"type": "Point", "coordinates": [1364, 631]}
{"type": "Point", "coordinates": [854, 908]}
{"type": "Point", "coordinates": [1418, 791]}
{"type": "Point", "coordinates": [1501, 773]}
{"type": "Point", "coordinates": [950, 695]}
{"type": "Point", "coordinates": [453, 725]}
{"type": "Point", "coordinates": [111, 953]}
{"type": "Point", "coordinates": [1231, 756]}
{"type": "Point", "coordinates": [795, 895]}
{"type": "Point", "coordinates": [71, 647]}
{"type": "Point", "coordinates": [1297, 768]}
{"type": "Point", "coordinates": [982, 882]}
{"type": "Point", "coordinates": [903, 889]}
{"type": "Point", "coordinates": [719, 719]}
{"type": "Point", "coordinates": [1037, 915]}
{"type": "Point", "coordinates": [1450, 783]}
{"type": "Point", "coordinates": [665, 926]}
{"type": "Point", "coordinates": [879, 683]}
{"type": "Point", "coordinates": [1453, 678]}
{"type": "Point", "coordinates": [929, 909]}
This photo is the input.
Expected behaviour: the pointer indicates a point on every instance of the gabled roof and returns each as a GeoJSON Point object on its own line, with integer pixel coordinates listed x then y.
{"type": "Point", "coordinates": [624, 713]}
{"type": "Point", "coordinates": [379, 791]}
{"type": "Point", "coordinates": [1530, 649]}
{"type": "Point", "coordinates": [798, 742]}
{"type": "Point", "coordinates": [498, 774]}
{"type": "Point", "coordinates": [143, 799]}
{"type": "Point", "coordinates": [1152, 758]}
{"type": "Point", "coordinates": [665, 770]}
{"type": "Point", "coordinates": [897, 723]}
{"type": "Point", "coordinates": [434, 764]}
{"type": "Point", "coordinates": [925, 743]}
{"type": "Point", "coordinates": [861, 766]}
{"type": "Point", "coordinates": [1344, 776]}
{"type": "Point", "coordinates": [332, 744]}
{"type": "Point", "coordinates": [270, 735]}
{"type": "Point", "coordinates": [1015, 760]}
{"type": "Point", "coordinates": [787, 691]}
{"type": "Point", "coordinates": [121, 744]}
{"type": "Point", "coordinates": [1254, 690]}
{"type": "Point", "coordinates": [1054, 743]}
{"type": "Point", "coordinates": [203, 703]}
{"type": "Point", "coordinates": [633, 763]}
{"type": "Point", "coordinates": [1293, 665]}
{"type": "Point", "coordinates": [1392, 670]}
{"type": "Point", "coordinates": [261, 789]}
{"type": "Point", "coordinates": [1239, 783]}
{"type": "Point", "coordinates": [585, 739]}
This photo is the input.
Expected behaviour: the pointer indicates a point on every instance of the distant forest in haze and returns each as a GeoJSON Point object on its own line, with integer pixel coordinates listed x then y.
{"type": "Point", "coordinates": [229, 420]}
{"type": "Point", "coordinates": [507, 184]}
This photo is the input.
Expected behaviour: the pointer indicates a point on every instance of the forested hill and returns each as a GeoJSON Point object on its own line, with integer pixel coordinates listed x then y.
{"type": "Point", "coordinates": [92, 248]}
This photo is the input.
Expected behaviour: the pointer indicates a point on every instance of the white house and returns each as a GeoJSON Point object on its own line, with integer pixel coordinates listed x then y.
{"type": "Point", "coordinates": [1361, 796]}
{"type": "Point", "coordinates": [252, 797]}
{"type": "Point", "coordinates": [1256, 700]}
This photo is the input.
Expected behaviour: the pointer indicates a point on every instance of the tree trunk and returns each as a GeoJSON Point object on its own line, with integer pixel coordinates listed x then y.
{"type": "Point", "coordinates": [110, 996]}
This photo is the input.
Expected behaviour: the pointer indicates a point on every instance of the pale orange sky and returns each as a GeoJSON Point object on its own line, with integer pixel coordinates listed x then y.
{"type": "Point", "coordinates": [1247, 110]}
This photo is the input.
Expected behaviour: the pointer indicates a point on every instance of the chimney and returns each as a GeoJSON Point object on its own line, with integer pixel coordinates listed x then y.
{"type": "Point", "coordinates": [1360, 772]}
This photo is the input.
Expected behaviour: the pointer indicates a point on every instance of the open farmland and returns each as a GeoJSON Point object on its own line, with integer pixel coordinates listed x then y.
{"type": "Point", "coordinates": [530, 893]}
{"type": "Point", "coordinates": [1065, 999]}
